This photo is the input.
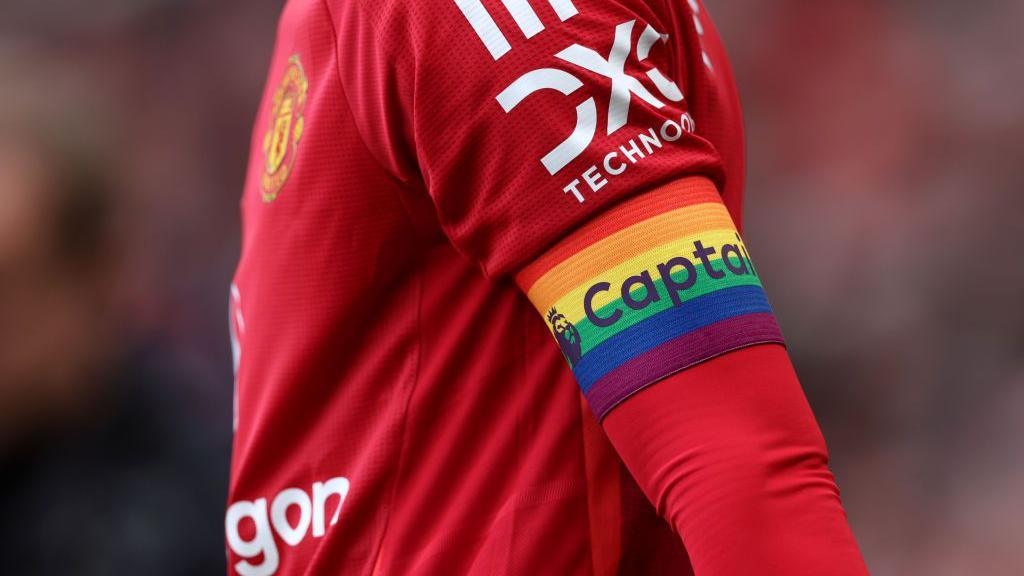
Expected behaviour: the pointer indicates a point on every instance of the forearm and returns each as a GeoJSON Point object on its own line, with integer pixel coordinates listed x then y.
{"type": "Point", "coordinates": [730, 454]}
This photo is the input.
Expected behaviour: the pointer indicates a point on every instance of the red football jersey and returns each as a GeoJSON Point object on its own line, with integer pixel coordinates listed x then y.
{"type": "Point", "coordinates": [401, 408]}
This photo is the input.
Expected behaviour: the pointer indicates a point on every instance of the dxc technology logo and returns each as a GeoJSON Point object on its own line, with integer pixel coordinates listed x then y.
{"type": "Point", "coordinates": [613, 66]}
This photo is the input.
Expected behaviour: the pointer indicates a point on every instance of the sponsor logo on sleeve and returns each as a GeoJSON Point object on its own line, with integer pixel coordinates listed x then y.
{"type": "Point", "coordinates": [581, 70]}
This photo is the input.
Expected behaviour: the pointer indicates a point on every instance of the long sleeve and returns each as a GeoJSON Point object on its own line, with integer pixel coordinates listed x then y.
{"type": "Point", "coordinates": [730, 454]}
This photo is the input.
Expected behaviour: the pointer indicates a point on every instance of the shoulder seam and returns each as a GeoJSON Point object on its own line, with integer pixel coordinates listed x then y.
{"type": "Point", "coordinates": [348, 105]}
{"type": "Point", "coordinates": [404, 185]}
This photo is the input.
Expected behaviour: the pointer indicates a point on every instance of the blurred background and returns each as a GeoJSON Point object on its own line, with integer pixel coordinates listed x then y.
{"type": "Point", "coordinates": [886, 171]}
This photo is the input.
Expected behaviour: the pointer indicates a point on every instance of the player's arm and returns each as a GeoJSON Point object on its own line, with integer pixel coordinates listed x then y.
{"type": "Point", "coordinates": [664, 321]}
{"type": "Point", "coordinates": [557, 148]}
{"type": "Point", "coordinates": [730, 455]}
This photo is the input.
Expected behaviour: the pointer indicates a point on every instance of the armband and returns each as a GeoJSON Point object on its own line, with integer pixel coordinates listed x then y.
{"type": "Point", "coordinates": [649, 288]}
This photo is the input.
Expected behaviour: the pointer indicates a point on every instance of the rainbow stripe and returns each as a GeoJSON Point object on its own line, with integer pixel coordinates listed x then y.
{"type": "Point", "coordinates": [649, 288]}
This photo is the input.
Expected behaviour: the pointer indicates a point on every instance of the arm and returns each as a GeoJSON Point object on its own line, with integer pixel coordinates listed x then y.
{"type": "Point", "coordinates": [567, 157]}
{"type": "Point", "coordinates": [679, 355]}
{"type": "Point", "coordinates": [729, 453]}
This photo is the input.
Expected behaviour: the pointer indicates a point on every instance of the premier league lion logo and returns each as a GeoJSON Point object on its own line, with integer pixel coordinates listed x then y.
{"type": "Point", "coordinates": [567, 335]}
{"type": "Point", "coordinates": [280, 143]}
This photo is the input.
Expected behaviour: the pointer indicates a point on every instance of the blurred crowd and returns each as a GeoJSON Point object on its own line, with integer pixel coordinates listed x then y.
{"type": "Point", "coordinates": [883, 204]}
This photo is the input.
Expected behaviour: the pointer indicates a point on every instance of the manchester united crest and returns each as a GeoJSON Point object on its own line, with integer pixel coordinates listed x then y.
{"type": "Point", "coordinates": [281, 142]}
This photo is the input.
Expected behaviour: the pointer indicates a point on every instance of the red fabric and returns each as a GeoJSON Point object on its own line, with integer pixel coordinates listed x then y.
{"type": "Point", "coordinates": [387, 391]}
{"type": "Point", "coordinates": [424, 90]}
{"type": "Point", "coordinates": [730, 454]}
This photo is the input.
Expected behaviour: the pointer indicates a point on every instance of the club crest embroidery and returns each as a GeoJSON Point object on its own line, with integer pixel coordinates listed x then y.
{"type": "Point", "coordinates": [281, 142]}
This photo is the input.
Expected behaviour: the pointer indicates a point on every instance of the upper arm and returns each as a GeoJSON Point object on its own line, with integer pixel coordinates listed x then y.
{"type": "Point", "coordinates": [557, 144]}
{"type": "Point", "coordinates": [653, 286]}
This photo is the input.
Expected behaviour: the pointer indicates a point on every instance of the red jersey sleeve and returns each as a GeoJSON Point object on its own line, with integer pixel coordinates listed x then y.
{"type": "Point", "coordinates": [523, 120]}
{"type": "Point", "coordinates": [556, 142]}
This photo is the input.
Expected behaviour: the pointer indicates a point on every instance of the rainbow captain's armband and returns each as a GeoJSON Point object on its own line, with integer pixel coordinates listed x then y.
{"type": "Point", "coordinates": [650, 288]}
